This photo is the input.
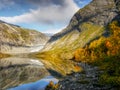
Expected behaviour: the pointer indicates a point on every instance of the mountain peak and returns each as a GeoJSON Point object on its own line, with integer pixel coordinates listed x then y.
{"type": "Point", "coordinates": [92, 19]}
{"type": "Point", "coordinates": [103, 10]}
{"type": "Point", "coordinates": [19, 40]}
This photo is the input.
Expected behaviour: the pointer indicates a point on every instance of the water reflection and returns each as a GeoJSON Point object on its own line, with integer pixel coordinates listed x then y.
{"type": "Point", "coordinates": [38, 85]}
{"type": "Point", "coordinates": [15, 71]}
{"type": "Point", "coordinates": [18, 71]}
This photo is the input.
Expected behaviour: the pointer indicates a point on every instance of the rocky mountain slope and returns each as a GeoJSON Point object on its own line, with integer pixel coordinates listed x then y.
{"type": "Point", "coordinates": [87, 24]}
{"type": "Point", "coordinates": [12, 36]}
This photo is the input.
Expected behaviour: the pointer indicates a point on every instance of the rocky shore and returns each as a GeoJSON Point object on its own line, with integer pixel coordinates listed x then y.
{"type": "Point", "coordinates": [86, 80]}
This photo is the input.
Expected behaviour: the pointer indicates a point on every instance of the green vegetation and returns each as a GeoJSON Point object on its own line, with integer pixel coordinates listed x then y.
{"type": "Point", "coordinates": [105, 53]}
{"type": "Point", "coordinates": [102, 47]}
{"type": "Point", "coordinates": [65, 47]}
{"type": "Point", "coordinates": [89, 33]}
{"type": "Point", "coordinates": [60, 55]}
{"type": "Point", "coordinates": [111, 67]}
{"type": "Point", "coordinates": [73, 40]}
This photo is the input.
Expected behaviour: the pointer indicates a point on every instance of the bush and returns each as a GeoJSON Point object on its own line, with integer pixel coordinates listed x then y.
{"type": "Point", "coordinates": [52, 86]}
{"type": "Point", "coordinates": [104, 52]}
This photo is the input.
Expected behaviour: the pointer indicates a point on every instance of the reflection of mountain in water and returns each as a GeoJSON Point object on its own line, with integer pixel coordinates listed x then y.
{"type": "Point", "coordinates": [38, 85]}
{"type": "Point", "coordinates": [15, 71]}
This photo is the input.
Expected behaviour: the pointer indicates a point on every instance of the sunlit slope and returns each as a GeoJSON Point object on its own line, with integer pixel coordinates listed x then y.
{"type": "Point", "coordinates": [15, 36]}
{"type": "Point", "coordinates": [86, 25]}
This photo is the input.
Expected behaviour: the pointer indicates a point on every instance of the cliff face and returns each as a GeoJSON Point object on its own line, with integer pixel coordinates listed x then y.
{"type": "Point", "coordinates": [14, 36]}
{"type": "Point", "coordinates": [86, 25]}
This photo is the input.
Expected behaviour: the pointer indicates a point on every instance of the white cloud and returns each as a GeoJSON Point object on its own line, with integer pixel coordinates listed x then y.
{"type": "Point", "coordinates": [53, 31]}
{"type": "Point", "coordinates": [50, 14]}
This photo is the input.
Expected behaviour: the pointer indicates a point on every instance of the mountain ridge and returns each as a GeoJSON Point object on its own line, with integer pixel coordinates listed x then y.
{"type": "Point", "coordinates": [92, 39]}
{"type": "Point", "coordinates": [97, 15]}
{"type": "Point", "coordinates": [13, 36]}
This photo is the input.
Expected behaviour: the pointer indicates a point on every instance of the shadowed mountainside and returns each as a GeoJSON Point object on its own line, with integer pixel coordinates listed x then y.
{"type": "Point", "coordinates": [86, 25]}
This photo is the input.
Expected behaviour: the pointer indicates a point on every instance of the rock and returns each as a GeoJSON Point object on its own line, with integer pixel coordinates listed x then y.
{"type": "Point", "coordinates": [83, 81]}
{"type": "Point", "coordinates": [13, 36]}
{"type": "Point", "coordinates": [86, 25]}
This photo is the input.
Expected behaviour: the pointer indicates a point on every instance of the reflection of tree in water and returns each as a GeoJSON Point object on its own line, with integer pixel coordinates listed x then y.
{"type": "Point", "coordinates": [60, 68]}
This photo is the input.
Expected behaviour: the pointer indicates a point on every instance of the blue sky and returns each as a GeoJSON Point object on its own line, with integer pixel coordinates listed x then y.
{"type": "Point", "coordinates": [48, 16]}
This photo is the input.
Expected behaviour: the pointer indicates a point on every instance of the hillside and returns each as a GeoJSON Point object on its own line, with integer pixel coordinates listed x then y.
{"type": "Point", "coordinates": [93, 40]}
{"type": "Point", "coordinates": [83, 56]}
{"type": "Point", "coordinates": [88, 24]}
{"type": "Point", "coordinates": [12, 36]}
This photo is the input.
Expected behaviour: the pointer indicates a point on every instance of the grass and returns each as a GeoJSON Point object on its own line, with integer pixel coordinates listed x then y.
{"type": "Point", "coordinates": [104, 53]}
{"type": "Point", "coordinates": [89, 33]}
{"type": "Point", "coordinates": [66, 45]}
{"type": "Point", "coordinates": [19, 36]}
{"type": "Point", "coordinates": [57, 58]}
{"type": "Point", "coordinates": [111, 67]}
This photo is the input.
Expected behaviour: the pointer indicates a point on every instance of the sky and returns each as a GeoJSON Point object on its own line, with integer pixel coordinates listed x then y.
{"type": "Point", "coordinates": [47, 16]}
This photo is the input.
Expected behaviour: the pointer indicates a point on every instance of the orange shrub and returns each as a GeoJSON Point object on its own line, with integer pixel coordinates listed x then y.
{"type": "Point", "coordinates": [102, 47]}
{"type": "Point", "coordinates": [52, 86]}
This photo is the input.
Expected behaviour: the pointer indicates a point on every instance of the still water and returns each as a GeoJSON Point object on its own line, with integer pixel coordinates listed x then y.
{"type": "Point", "coordinates": [18, 73]}
{"type": "Point", "coordinates": [38, 85]}
{"type": "Point", "coordinates": [25, 73]}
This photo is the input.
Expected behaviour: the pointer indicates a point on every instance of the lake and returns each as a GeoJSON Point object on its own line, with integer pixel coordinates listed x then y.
{"type": "Point", "coordinates": [23, 74]}
{"type": "Point", "coordinates": [38, 85]}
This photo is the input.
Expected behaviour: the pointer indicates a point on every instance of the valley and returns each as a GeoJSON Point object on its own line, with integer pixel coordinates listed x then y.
{"type": "Point", "coordinates": [85, 55]}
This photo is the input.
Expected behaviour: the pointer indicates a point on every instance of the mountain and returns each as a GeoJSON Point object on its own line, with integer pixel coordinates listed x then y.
{"type": "Point", "coordinates": [15, 37]}
{"type": "Point", "coordinates": [92, 39]}
{"type": "Point", "coordinates": [88, 24]}
{"type": "Point", "coordinates": [49, 34]}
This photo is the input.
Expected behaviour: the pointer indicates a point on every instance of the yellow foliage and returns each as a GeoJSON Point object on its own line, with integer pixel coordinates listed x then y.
{"type": "Point", "coordinates": [78, 54]}
{"type": "Point", "coordinates": [52, 86]}
{"type": "Point", "coordinates": [77, 68]}
{"type": "Point", "coordinates": [108, 44]}
{"type": "Point", "coordinates": [81, 54]}
{"type": "Point", "coordinates": [101, 47]}
{"type": "Point", "coordinates": [114, 39]}
{"type": "Point", "coordinates": [105, 52]}
{"type": "Point", "coordinates": [97, 43]}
